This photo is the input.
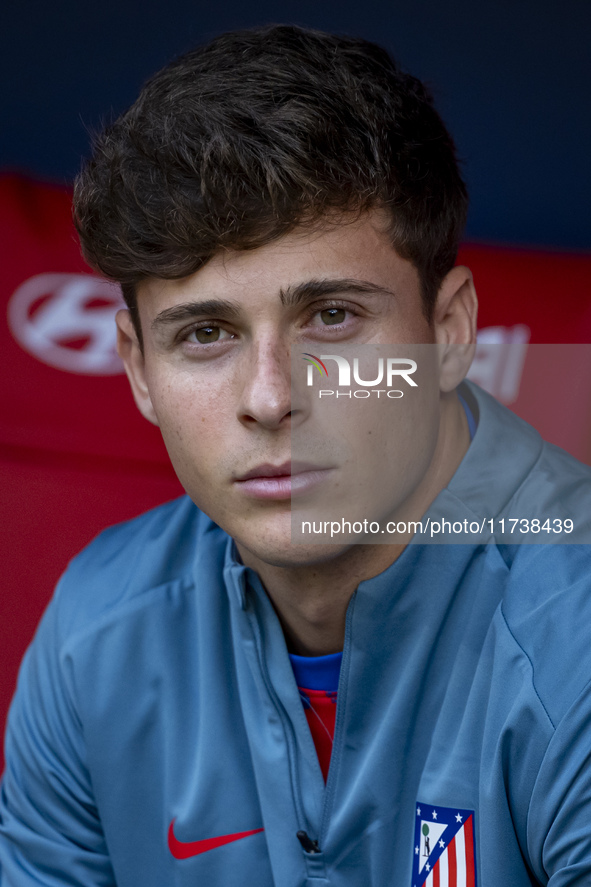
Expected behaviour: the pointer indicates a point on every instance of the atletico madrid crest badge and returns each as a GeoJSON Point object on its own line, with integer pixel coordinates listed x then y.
{"type": "Point", "coordinates": [443, 852]}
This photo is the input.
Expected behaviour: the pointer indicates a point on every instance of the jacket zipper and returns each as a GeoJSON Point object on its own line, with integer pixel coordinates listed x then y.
{"type": "Point", "coordinates": [287, 729]}
{"type": "Point", "coordinates": [309, 844]}
{"type": "Point", "coordinates": [338, 730]}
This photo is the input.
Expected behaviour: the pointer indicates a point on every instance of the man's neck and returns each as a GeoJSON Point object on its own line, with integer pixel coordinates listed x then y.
{"type": "Point", "coordinates": [311, 600]}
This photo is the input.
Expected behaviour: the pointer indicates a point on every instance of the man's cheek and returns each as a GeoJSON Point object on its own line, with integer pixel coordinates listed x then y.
{"type": "Point", "coordinates": [197, 446]}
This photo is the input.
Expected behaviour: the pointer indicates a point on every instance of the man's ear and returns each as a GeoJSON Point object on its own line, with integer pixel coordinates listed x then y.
{"type": "Point", "coordinates": [130, 352]}
{"type": "Point", "coordinates": [454, 321]}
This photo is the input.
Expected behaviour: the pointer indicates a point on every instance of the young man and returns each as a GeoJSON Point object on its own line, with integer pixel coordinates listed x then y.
{"type": "Point", "coordinates": [207, 702]}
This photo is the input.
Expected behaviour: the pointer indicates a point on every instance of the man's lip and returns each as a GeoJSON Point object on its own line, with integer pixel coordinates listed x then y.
{"type": "Point", "coordinates": [286, 469]}
{"type": "Point", "coordinates": [281, 482]}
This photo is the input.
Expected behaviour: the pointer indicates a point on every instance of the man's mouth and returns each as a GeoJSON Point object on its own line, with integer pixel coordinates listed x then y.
{"type": "Point", "coordinates": [282, 481]}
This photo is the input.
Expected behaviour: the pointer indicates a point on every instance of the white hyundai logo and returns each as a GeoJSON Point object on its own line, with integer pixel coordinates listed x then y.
{"type": "Point", "coordinates": [72, 326]}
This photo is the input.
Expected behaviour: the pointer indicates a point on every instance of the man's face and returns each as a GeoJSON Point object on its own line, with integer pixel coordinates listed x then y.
{"type": "Point", "coordinates": [215, 374]}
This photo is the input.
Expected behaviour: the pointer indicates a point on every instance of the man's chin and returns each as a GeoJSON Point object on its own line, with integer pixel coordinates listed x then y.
{"type": "Point", "coordinates": [267, 539]}
{"type": "Point", "coordinates": [283, 553]}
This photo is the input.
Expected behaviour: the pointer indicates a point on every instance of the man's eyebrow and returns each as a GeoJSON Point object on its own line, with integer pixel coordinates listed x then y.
{"type": "Point", "coordinates": [218, 308]}
{"type": "Point", "coordinates": [305, 292]}
{"type": "Point", "coordinates": [290, 296]}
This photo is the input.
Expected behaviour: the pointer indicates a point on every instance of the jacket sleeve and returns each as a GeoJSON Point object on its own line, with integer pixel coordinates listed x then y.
{"type": "Point", "coordinates": [50, 829]}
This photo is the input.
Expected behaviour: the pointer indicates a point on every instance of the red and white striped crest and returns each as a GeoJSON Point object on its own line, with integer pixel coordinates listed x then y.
{"type": "Point", "coordinates": [443, 853]}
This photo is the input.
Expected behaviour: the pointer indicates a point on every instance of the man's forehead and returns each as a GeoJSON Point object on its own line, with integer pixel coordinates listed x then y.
{"type": "Point", "coordinates": [300, 266]}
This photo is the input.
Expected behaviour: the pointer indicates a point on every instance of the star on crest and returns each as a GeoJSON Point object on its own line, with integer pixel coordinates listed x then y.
{"type": "Point", "coordinates": [434, 814]}
{"type": "Point", "coordinates": [458, 817]}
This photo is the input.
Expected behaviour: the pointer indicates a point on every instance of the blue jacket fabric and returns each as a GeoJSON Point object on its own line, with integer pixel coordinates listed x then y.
{"type": "Point", "coordinates": [157, 707]}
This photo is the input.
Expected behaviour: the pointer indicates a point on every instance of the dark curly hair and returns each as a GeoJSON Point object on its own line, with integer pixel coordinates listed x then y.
{"type": "Point", "coordinates": [235, 143]}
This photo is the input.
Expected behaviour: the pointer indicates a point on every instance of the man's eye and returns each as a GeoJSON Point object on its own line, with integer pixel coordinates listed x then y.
{"type": "Point", "coordinates": [205, 335]}
{"type": "Point", "coordinates": [333, 315]}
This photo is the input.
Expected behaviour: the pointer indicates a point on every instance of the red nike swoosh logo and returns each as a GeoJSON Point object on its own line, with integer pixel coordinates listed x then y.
{"type": "Point", "coordinates": [184, 850]}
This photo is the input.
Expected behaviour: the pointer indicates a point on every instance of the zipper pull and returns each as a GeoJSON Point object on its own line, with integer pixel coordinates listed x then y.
{"type": "Point", "coordinates": [307, 843]}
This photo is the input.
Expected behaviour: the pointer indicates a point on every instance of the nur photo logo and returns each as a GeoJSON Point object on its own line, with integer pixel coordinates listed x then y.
{"type": "Point", "coordinates": [389, 371]}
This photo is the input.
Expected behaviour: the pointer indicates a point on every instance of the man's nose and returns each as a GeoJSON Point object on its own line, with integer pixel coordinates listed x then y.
{"type": "Point", "coordinates": [266, 386]}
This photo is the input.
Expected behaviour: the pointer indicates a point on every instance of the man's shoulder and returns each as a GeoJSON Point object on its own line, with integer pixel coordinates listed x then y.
{"type": "Point", "coordinates": [511, 472]}
{"type": "Point", "coordinates": [547, 608]}
{"type": "Point", "coordinates": [134, 558]}
{"type": "Point", "coordinates": [537, 497]}
{"type": "Point", "coordinates": [561, 478]}
{"type": "Point", "coordinates": [133, 548]}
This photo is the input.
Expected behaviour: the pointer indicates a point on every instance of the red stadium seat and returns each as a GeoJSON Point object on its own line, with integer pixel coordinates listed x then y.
{"type": "Point", "coordinates": [75, 455]}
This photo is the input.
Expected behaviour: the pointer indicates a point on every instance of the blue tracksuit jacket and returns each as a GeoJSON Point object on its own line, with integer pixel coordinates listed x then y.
{"type": "Point", "coordinates": [157, 710]}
